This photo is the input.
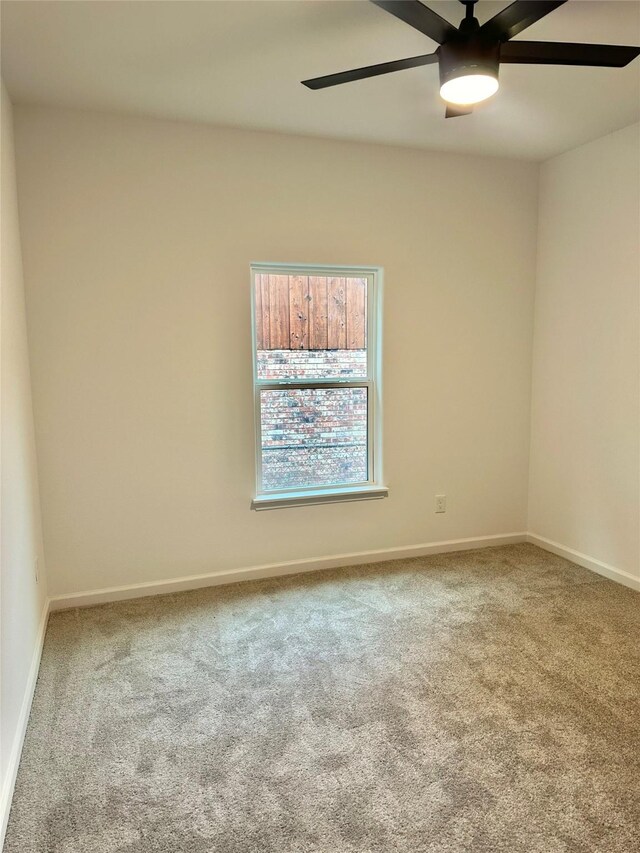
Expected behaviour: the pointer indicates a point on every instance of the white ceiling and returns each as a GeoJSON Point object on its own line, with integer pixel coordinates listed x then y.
{"type": "Point", "coordinates": [239, 63]}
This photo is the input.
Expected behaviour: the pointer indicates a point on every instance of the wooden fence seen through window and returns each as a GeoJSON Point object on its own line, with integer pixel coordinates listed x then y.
{"type": "Point", "coordinates": [310, 312]}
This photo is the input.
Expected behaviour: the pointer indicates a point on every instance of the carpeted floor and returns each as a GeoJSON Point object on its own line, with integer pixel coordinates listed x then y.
{"type": "Point", "coordinates": [478, 702]}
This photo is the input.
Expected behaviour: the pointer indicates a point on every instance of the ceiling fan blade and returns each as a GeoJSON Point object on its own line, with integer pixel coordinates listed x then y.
{"type": "Point", "coordinates": [517, 17]}
{"type": "Point", "coordinates": [567, 53]}
{"type": "Point", "coordinates": [419, 17]}
{"type": "Point", "coordinates": [454, 112]}
{"type": "Point", "coordinates": [369, 71]}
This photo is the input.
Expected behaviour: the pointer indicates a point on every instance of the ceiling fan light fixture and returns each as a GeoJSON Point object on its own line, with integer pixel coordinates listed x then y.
{"type": "Point", "coordinates": [469, 56]}
{"type": "Point", "coordinates": [469, 88]}
{"type": "Point", "coordinates": [468, 71]}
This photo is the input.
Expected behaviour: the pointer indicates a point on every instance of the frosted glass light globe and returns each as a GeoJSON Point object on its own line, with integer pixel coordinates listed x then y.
{"type": "Point", "coordinates": [469, 89]}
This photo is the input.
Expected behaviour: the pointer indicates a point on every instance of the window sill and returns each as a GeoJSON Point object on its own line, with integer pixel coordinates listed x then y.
{"type": "Point", "coordinates": [289, 499]}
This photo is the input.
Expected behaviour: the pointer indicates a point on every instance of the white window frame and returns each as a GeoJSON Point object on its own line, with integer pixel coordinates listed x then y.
{"type": "Point", "coordinates": [373, 487]}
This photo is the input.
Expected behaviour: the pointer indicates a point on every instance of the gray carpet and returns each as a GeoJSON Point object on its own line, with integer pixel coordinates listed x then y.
{"type": "Point", "coordinates": [484, 701]}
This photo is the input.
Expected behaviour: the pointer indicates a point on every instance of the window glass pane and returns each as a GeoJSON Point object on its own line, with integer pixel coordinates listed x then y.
{"type": "Point", "coordinates": [311, 327]}
{"type": "Point", "coordinates": [313, 437]}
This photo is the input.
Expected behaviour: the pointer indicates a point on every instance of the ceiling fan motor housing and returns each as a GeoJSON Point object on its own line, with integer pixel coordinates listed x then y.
{"type": "Point", "coordinates": [468, 56]}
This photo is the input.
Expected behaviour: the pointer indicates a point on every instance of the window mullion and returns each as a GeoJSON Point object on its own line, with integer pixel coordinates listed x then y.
{"type": "Point", "coordinates": [277, 385]}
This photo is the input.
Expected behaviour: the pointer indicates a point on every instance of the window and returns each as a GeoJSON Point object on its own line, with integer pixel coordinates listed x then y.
{"type": "Point", "coordinates": [316, 356]}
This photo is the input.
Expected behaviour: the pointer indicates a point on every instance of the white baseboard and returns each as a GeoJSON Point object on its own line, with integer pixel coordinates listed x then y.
{"type": "Point", "coordinates": [586, 562]}
{"type": "Point", "coordinates": [140, 590]}
{"type": "Point", "coordinates": [18, 739]}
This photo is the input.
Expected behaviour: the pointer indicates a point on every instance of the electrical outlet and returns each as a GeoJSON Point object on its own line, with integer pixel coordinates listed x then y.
{"type": "Point", "coordinates": [37, 570]}
{"type": "Point", "coordinates": [441, 503]}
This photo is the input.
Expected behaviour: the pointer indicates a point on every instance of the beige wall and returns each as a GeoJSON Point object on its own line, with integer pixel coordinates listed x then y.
{"type": "Point", "coordinates": [21, 599]}
{"type": "Point", "coordinates": [585, 464]}
{"type": "Point", "coordinates": [138, 236]}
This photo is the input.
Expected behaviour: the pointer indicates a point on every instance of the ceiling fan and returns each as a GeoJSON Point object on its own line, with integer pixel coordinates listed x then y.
{"type": "Point", "coordinates": [469, 56]}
